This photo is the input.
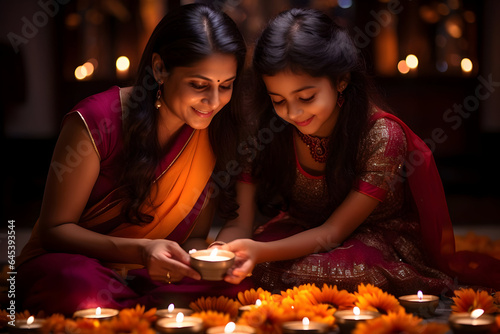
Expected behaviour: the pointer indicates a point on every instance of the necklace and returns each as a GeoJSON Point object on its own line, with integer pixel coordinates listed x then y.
{"type": "Point", "coordinates": [318, 147]}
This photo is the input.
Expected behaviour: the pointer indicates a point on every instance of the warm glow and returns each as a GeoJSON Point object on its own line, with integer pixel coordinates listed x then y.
{"type": "Point", "coordinates": [476, 313]}
{"type": "Point", "coordinates": [420, 295]}
{"type": "Point", "coordinates": [305, 321]}
{"type": "Point", "coordinates": [230, 327]}
{"type": "Point", "coordinates": [412, 61]}
{"type": "Point", "coordinates": [170, 308]}
{"type": "Point", "coordinates": [89, 68]}
{"type": "Point", "coordinates": [80, 72]}
{"type": "Point", "coordinates": [356, 310]}
{"type": "Point", "coordinates": [122, 63]}
{"type": "Point", "coordinates": [30, 320]}
{"type": "Point", "coordinates": [179, 317]}
{"type": "Point", "coordinates": [466, 65]}
{"type": "Point", "coordinates": [258, 302]}
{"type": "Point", "coordinates": [98, 311]}
{"type": "Point", "coordinates": [402, 67]}
{"type": "Point", "coordinates": [214, 252]}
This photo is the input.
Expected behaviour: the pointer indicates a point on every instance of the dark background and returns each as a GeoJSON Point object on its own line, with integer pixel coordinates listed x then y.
{"type": "Point", "coordinates": [42, 42]}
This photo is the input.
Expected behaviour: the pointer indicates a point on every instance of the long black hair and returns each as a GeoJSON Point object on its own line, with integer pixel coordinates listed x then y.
{"type": "Point", "coordinates": [183, 37]}
{"type": "Point", "coordinates": [306, 41]}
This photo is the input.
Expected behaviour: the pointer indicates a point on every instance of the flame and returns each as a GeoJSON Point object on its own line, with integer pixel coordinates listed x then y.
{"type": "Point", "coordinates": [180, 317]}
{"type": "Point", "coordinates": [305, 321]}
{"type": "Point", "coordinates": [170, 308]}
{"type": "Point", "coordinates": [214, 252]}
{"type": "Point", "coordinates": [230, 327]}
{"type": "Point", "coordinates": [258, 302]}
{"type": "Point", "coordinates": [420, 295]}
{"type": "Point", "coordinates": [30, 320]}
{"type": "Point", "coordinates": [98, 311]}
{"type": "Point", "coordinates": [356, 310]}
{"type": "Point", "coordinates": [476, 313]}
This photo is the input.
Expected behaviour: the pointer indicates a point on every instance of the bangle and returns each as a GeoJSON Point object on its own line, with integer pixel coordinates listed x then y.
{"type": "Point", "coordinates": [217, 243]}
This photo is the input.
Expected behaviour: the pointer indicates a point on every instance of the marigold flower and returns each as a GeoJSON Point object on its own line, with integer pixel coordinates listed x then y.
{"type": "Point", "coordinates": [393, 322]}
{"type": "Point", "coordinates": [219, 304]}
{"type": "Point", "coordinates": [372, 298]}
{"type": "Point", "coordinates": [56, 324]}
{"type": "Point", "coordinates": [212, 318]}
{"type": "Point", "coordinates": [341, 300]}
{"type": "Point", "coordinates": [267, 318]}
{"type": "Point", "coordinates": [139, 313]}
{"type": "Point", "coordinates": [467, 300]}
{"type": "Point", "coordinates": [249, 297]}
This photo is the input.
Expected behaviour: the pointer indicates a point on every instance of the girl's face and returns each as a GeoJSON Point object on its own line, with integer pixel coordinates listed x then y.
{"type": "Point", "coordinates": [195, 94]}
{"type": "Point", "coordinates": [309, 103]}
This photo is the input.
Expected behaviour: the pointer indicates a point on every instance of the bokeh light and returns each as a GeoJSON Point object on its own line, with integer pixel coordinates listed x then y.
{"type": "Point", "coordinates": [412, 61]}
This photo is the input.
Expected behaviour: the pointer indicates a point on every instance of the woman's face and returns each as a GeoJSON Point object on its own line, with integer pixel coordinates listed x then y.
{"type": "Point", "coordinates": [195, 94]}
{"type": "Point", "coordinates": [307, 102]}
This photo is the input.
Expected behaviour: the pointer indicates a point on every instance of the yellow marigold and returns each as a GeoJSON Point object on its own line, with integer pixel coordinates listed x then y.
{"type": "Point", "coordinates": [372, 298]}
{"type": "Point", "coordinates": [139, 313]}
{"type": "Point", "coordinates": [267, 318]}
{"type": "Point", "coordinates": [342, 300]}
{"type": "Point", "coordinates": [393, 322]}
{"type": "Point", "coordinates": [249, 297]}
{"type": "Point", "coordinates": [213, 318]}
{"type": "Point", "coordinates": [467, 300]}
{"type": "Point", "coordinates": [219, 304]}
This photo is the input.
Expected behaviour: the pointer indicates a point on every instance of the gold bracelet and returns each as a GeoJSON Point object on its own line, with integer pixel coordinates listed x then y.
{"type": "Point", "coordinates": [217, 243]}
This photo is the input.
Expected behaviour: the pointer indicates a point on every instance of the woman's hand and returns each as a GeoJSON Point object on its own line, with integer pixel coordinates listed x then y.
{"type": "Point", "coordinates": [246, 251]}
{"type": "Point", "coordinates": [167, 261]}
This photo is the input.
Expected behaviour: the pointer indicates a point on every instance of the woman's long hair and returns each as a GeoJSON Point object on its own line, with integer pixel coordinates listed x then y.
{"type": "Point", "coordinates": [183, 37]}
{"type": "Point", "coordinates": [307, 41]}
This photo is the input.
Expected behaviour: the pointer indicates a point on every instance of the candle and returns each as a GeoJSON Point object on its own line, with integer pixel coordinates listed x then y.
{"type": "Point", "coordinates": [422, 305]}
{"type": "Point", "coordinates": [172, 311]}
{"type": "Point", "coordinates": [304, 326]}
{"type": "Point", "coordinates": [96, 313]}
{"type": "Point", "coordinates": [474, 322]}
{"type": "Point", "coordinates": [180, 324]}
{"type": "Point", "coordinates": [212, 264]}
{"type": "Point", "coordinates": [347, 320]}
{"type": "Point", "coordinates": [244, 308]}
{"type": "Point", "coordinates": [232, 328]}
{"type": "Point", "coordinates": [30, 325]}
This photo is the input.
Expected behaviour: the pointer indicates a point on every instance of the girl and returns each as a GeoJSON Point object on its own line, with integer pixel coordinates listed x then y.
{"type": "Point", "coordinates": [356, 193]}
{"type": "Point", "coordinates": [130, 175]}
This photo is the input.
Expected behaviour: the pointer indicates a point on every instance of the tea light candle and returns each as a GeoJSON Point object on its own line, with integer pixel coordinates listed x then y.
{"type": "Point", "coordinates": [304, 326]}
{"type": "Point", "coordinates": [420, 304]}
{"type": "Point", "coordinates": [172, 311]}
{"type": "Point", "coordinates": [180, 324]}
{"type": "Point", "coordinates": [244, 308]}
{"type": "Point", "coordinates": [347, 320]}
{"type": "Point", "coordinates": [474, 322]}
{"type": "Point", "coordinates": [212, 264]}
{"type": "Point", "coordinates": [232, 328]}
{"type": "Point", "coordinates": [96, 313]}
{"type": "Point", "coordinates": [30, 325]}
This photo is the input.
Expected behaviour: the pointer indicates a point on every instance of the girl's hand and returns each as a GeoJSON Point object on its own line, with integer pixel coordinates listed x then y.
{"type": "Point", "coordinates": [246, 251]}
{"type": "Point", "coordinates": [167, 261]}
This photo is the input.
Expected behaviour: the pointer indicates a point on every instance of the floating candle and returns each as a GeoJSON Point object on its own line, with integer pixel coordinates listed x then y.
{"type": "Point", "coordinates": [474, 322]}
{"type": "Point", "coordinates": [232, 328]}
{"type": "Point", "coordinates": [172, 311]}
{"type": "Point", "coordinates": [347, 319]}
{"type": "Point", "coordinates": [212, 264]}
{"type": "Point", "coordinates": [179, 325]}
{"type": "Point", "coordinates": [422, 305]}
{"type": "Point", "coordinates": [304, 326]}
{"type": "Point", "coordinates": [30, 325]}
{"type": "Point", "coordinates": [96, 313]}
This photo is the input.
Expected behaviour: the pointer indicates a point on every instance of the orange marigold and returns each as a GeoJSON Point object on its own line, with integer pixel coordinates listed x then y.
{"type": "Point", "coordinates": [342, 300]}
{"type": "Point", "coordinates": [301, 294]}
{"type": "Point", "coordinates": [393, 322]}
{"type": "Point", "coordinates": [267, 318]}
{"type": "Point", "coordinates": [219, 304]}
{"type": "Point", "coordinates": [467, 300]}
{"type": "Point", "coordinates": [139, 313]}
{"type": "Point", "coordinates": [213, 318]}
{"type": "Point", "coordinates": [249, 297]}
{"type": "Point", "coordinates": [372, 298]}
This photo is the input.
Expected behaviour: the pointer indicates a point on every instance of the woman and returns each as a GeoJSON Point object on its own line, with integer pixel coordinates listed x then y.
{"type": "Point", "coordinates": [357, 194]}
{"type": "Point", "coordinates": [130, 175]}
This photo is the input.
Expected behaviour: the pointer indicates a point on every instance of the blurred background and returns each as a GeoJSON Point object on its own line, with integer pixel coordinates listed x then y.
{"type": "Point", "coordinates": [436, 62]}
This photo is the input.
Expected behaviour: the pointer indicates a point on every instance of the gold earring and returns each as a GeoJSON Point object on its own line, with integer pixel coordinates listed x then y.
{"type": "Point", "coordinates": [158, 96]}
